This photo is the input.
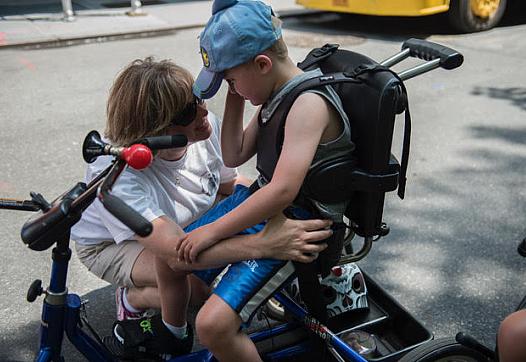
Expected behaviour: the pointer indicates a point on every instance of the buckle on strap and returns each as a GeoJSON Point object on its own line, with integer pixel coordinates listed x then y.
{"type": "Point", "coordinates": [327, 48]}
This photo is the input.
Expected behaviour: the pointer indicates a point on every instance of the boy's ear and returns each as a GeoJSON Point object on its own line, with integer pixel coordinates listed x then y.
{"type": "Point", "coordinates": [263, 63]}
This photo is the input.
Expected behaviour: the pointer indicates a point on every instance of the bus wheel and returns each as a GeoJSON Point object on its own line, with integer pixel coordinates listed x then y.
{"type": "Point", "coordinates": [475, 15]}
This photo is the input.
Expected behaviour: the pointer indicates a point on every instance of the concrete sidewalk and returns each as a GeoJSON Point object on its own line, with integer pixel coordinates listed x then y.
{"type": "Point", "coordinates": [32, 23]}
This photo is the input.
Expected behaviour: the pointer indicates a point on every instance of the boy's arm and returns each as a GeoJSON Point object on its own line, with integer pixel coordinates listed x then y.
{"type": "Point", "coordinates": [306, 122]}
{"type": "Point", "coordinates": [237, 145]}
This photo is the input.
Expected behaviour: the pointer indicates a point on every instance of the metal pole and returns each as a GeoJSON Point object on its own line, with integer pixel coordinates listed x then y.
{"type": "Point", "coordinates": [397, 58]}
{"type": "Point", "coordinates": [136, 8]}
{"type": "Point", "coordinates": [68, 10]}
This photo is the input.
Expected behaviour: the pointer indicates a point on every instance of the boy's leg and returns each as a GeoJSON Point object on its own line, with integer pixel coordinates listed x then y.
{"type": "Point", "coordinates": [167, 333]}
{"type": "Point", "coordinates": [240, 194]}
{"type": "Point", "coordinates": [244, 287]}
{"type": "Point", "coordinates": [218, 327]}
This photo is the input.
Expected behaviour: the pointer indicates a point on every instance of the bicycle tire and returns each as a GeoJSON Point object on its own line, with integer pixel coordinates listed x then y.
{"type": "Point", "coordinates": [444, 350]}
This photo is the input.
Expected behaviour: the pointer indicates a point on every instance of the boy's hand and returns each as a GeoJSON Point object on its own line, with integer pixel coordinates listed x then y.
{"type": "Point", "coordinates": [194, 243]}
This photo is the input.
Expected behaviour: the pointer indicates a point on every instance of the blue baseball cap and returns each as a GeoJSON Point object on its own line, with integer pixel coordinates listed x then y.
{"type": "Point", "coordinates": [237, 31]}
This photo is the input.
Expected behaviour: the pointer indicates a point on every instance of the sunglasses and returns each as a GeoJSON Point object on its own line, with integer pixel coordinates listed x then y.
{"type": "Point", "coordinates": [187, 115]}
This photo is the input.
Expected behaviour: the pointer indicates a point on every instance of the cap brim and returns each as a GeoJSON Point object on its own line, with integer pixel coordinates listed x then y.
{"type": "Point", "coordinates": [207, 84]}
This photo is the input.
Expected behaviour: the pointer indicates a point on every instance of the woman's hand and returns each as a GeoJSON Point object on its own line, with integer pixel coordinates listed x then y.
{"type": "Point", "coordinates": [288, 239]}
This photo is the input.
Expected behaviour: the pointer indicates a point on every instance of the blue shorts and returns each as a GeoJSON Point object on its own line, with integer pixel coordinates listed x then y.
{"type": "Point", "coordinates": [246, 285]}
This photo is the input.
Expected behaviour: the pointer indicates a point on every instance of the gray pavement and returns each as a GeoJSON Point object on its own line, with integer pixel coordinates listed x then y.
{"type": "Point", "coordinates": [41, 22]}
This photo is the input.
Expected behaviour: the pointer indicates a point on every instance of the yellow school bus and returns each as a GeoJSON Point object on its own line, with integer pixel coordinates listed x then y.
{"type": "Point", "coordinates": [464, 15]}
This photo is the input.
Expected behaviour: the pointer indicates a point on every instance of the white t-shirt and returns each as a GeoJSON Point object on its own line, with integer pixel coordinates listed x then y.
{"type": "Point", "coordinates": [182, 190]}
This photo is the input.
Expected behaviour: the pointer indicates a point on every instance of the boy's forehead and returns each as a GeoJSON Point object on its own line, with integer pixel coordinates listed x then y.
{"type": "Point", "coordinates": [235, 71]}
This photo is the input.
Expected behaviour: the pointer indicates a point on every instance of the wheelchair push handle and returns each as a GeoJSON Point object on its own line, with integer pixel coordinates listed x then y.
{"type": "Point", "coordinates": [426, 50]}
{"type": "Point", "coordinates": [435, 56]}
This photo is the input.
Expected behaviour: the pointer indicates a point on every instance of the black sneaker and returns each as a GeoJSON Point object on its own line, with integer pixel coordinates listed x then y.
{"type": "Point", "coordinates": [150, 336]}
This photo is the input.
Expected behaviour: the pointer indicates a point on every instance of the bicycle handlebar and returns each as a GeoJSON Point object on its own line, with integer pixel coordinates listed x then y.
{"type": "Point", "coordinates": [119, 208]}
{"type": "Point", "coordinates": [53, 224]}
{"type": "Point", "coordinates": [138, 155]}
{"type": "Point", "coordinates": [164, 142]}
{"type": "Point", "coordinates": [126, 214]}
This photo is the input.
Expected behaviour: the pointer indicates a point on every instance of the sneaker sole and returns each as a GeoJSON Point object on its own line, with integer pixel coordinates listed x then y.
{"type": "Point", "coordinates": [117, 350]}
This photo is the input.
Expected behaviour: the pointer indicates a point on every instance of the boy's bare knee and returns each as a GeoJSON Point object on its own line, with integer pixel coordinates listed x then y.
{"type": "Point", "coordinates": [210, 328]}
{"type": "Point", "coordinates": [215, 323]}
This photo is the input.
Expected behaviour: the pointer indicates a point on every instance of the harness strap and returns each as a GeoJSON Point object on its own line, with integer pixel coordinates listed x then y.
{"type": "Point", "coordinates": [405, 152]}
{"type": "Point", "coordinates": [317, 55]}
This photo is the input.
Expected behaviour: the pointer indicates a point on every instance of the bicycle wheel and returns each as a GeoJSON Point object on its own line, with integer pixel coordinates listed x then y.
{"type": "Point", "coordinates": [444, 350]}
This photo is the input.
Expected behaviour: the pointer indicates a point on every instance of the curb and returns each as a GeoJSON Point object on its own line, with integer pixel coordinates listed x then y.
{"type": "Point", "coordinates": [113, 36]}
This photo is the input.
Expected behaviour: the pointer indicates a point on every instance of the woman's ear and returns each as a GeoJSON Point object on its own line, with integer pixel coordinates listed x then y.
{"type": "Point", "coordinates": [263, 63]}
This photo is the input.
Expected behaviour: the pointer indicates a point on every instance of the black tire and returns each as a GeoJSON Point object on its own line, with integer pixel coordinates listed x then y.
{"type": "Point", "coordinates": [443, 350]}
{"type": "Point", "coordinates": [469, 16]}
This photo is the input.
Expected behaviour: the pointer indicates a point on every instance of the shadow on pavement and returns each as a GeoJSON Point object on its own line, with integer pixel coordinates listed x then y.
{"type": "Point", "coordinates": [516, 95]}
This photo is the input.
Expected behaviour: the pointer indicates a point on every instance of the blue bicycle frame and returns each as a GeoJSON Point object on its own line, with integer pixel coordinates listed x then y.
{"type": "Point", "coordinates": [299, 314]}
{"type": "Point", "coordinates": [61, 313]}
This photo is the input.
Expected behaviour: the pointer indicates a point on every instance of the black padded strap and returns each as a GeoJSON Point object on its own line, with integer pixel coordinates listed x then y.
{"type": "Point", "coordinates": [311, 290]}
{"type": "Point", "coordinates": [405, 153]}
{"type": "Point", "coordinates": [317, 55]}
{"type": "Point", "coordinates": [280, 114]}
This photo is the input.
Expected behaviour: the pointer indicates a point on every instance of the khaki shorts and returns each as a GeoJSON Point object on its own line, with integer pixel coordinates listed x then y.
{"type": "Point", "coordinates": [110, 261]}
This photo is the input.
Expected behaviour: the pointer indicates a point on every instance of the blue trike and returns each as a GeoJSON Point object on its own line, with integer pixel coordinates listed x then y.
{"type": "Point", "coordinates": [382, 331]}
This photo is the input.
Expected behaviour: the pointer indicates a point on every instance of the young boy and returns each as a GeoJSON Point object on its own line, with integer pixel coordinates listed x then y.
{"type": "Point", "coordinates": [242, 44]}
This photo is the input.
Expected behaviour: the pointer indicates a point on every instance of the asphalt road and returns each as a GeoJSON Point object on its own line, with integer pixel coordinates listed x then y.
{"type": "Point", "coordinates": [450, 258]}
